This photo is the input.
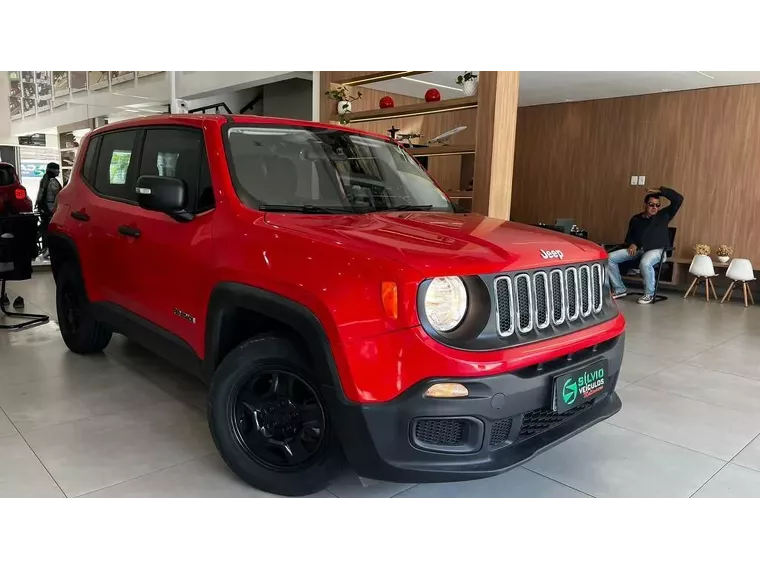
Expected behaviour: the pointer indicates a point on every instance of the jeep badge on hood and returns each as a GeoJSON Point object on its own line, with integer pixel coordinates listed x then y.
{"type": "Point", "coordinates": [553, 254]}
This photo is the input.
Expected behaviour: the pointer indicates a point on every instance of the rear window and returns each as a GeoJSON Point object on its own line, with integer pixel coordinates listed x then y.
{"type": "Point", "coordinates": [7, 175]}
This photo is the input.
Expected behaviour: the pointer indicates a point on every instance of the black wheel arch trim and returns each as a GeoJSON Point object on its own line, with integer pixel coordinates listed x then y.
{"type": "Point", "coordinates": [229, 296]}
{"type": "Point", "coordinates": [58, 241]}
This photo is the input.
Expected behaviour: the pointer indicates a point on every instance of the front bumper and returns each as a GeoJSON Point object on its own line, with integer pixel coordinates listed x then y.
{"type": "Point", "coordinates": [506, 420]}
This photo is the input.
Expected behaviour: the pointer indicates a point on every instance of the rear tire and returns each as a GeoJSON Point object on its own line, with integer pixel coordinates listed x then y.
{"type": "Point", "coordinates": [269, 421]}
{"type": "Point", "coordinates": [81, 332]}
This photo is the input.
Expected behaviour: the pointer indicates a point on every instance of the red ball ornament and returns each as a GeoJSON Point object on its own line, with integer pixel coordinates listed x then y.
{"type": "Point", "coordinates": [432, 95]}
{"type": "Point", "coordinates": [386, 102]}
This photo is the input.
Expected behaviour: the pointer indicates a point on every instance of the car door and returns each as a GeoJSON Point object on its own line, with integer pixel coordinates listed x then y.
{"type": "Point", "coordinates": [104, 210]}
{"type": "Point", "coordinates": [170, 259]}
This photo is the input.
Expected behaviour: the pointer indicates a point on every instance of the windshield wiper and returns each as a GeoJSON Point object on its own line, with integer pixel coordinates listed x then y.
{"type": "Point", "coordinates": [306, 208]}
{"type": "Point", "coordinates": [408, 207]}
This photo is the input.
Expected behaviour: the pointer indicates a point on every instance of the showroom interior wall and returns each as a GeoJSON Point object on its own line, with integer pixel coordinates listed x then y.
{"type": "Point", "coordinates": [576, 160]}
{"type": "Point", "coordinates": [146, 92]}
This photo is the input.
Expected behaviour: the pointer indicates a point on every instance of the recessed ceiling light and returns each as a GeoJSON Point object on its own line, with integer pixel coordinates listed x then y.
{"type": "Point", "coordinates": [568, 100]}
{"type": "Point", "coordinates": [432, 84]}
{"type": "Point", "coordinates": [705, 74]}
{"type": "Point", "coordinates": [666, 90]}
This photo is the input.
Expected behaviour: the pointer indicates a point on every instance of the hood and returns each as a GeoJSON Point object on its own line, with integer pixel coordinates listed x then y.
{"type": "Point", "coordinates": [438, 244]}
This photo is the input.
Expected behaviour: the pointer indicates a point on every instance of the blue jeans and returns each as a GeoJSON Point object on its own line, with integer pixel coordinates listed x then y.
{"type": "Point", "coordinates": [648, 261]}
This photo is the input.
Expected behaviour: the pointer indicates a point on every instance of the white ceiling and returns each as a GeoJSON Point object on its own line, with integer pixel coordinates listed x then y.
{"type": "Point", "coordinates": [542, 87]}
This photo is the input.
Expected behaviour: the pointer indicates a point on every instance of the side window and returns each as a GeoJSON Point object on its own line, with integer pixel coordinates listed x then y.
{"type": "Point", "coordinates": [179, 153]}
{"type": "Point", "coordinates": [114, 176]}
{"type": "Point", "coordinates": [88, 170]}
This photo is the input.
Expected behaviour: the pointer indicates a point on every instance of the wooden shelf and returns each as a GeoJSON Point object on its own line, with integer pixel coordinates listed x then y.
{"type": "Point", "coordinates": [451, 150]}
{"type": "Point", "coordinates": [376, 77]}
{"type": "Point", "coordinates": [412, 110]}
{"type": "Point", "coordinates": [460, 195]}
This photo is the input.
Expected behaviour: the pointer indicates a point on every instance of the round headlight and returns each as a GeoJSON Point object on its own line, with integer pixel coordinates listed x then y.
{"type": "Point", "coordinates": [445, 303]}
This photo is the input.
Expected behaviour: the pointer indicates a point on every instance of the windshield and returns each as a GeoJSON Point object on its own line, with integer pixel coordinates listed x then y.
{"type": "Point", "coordinates": [318, 170]}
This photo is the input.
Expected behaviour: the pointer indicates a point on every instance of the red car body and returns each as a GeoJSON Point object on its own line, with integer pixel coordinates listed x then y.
{"type": "Point", "coordinates": [13, 196]}
{"type": "Point", "coordinates": [329, 269]}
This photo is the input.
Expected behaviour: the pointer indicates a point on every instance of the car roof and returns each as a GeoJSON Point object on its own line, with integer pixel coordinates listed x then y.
{"type": "Point", "coordinates": [199, 119]}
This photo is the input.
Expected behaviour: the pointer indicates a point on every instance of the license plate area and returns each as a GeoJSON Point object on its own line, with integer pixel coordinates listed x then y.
{"type": "Point", "coordinates": [576, 387]}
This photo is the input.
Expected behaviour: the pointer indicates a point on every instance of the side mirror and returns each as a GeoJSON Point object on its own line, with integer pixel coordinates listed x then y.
{"type": "Point", "coordinates": [164, 194]}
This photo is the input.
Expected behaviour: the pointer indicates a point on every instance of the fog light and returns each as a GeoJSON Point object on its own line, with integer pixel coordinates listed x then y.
{"type": "Point", "coordinates": [447, 390]}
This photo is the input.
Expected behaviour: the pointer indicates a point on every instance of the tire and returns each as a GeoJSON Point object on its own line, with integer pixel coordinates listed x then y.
{"type": "Point", "coordinates": [81, 332]}
{"type": "Point", "coordinates": [242, 372]}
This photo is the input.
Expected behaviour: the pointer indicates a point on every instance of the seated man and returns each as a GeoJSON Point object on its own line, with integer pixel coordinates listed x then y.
{"type": "Point", "coordinates": [647, 236]}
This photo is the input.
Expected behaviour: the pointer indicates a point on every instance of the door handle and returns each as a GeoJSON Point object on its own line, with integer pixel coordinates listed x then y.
{"type": "Point", "coordinates": [129, 231]}
{"type": "Point", "coordinates": [80, 216]}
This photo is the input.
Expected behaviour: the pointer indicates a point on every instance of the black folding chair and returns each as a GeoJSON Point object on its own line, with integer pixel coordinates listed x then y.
{"type": "Point", "coordinates": [667, 253]}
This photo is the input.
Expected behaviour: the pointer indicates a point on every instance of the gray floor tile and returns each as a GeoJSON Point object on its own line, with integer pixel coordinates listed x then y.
{"type": "Point", "coordinates": [517, 483]}
{"type": "Point", "coordinates": [699, 426]}
{"type": "Point", "coordinates": [21, 474]}
{"type": "Point", "coordinates": [6, 427]}
{"type": "Point", "coordinates": [732, 482]}
{"type": "Point", "coordinates": [637, 366]}
{"type": "Point", "coordinates": [750, 456]}
{"type": "Point", "coordinates": [709, 386]}
{"type": "Point", "coordinates": [670, 349]}
{"type": "Point", "coordinates": [348, 485]}
{"type": "Point", "coordinates": [93, 453]}
{"type": "Point", "coordinates": [731, 359]}
{"type": "Point", "coordinates": [34, 404]}
{"type": "Point", "coordinates": [206, 477]}
{"type": "Point", "coordinates": [607, 461]}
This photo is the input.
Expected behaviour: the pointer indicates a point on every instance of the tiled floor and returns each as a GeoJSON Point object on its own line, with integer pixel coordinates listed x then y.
{"type": "Point", "coordinates": [128, 424]}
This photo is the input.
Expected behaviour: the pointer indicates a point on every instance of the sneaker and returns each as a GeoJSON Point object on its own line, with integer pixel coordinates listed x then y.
{"type": "Point", "coordinates": [620, 294]}
{"type": "Point", "coordinates": [646, 299]}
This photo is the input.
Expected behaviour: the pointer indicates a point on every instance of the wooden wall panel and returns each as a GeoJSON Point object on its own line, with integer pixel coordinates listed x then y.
{"type": "Point", "coordinates": [576, 160]}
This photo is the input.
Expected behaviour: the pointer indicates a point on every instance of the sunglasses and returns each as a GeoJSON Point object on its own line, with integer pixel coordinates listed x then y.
{"type": "Point", "coordinates": [655, 205]}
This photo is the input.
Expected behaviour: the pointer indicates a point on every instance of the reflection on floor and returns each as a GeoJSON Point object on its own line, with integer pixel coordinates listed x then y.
{"type": "Point", "coordinates": [128, 424]}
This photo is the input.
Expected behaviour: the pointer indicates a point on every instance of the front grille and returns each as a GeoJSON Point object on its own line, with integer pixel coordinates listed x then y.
{"type": "Point", "coordinates": [525, 304]}
{"type": "Point", "coordinates": [439, 432]}
{"type": "Point", "coordinates": [541, 420]}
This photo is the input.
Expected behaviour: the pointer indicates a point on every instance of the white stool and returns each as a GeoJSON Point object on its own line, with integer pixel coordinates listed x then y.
{"type": "Point", "coordinates": [740, 271]}
{"type": "Point", "coordinates": [703, 270]}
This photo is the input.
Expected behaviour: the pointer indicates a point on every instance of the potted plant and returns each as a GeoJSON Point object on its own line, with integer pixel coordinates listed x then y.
{"type": "Point", "coordinates": [701, 249]}
{"type": "Point", "coordinates": [344, 99]}
{"type": "Point", "coordinates": [469, 83]}
{"type": "Point", "coordinates": [724, 252]}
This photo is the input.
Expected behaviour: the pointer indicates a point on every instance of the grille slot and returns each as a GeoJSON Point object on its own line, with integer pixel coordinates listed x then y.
{"type": "Point", "coordinates": [526, 303]}
{"type": "Point", "coordinates": [504, 307]}
{"type": "Point", "coordinates": [440, 432]}
{"type": "Point", "coordinates": [541, 289]}
{"type": "Point", "coordinates": [500, 432]}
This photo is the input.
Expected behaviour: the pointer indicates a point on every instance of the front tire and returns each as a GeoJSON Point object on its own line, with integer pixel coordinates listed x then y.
{"type": "Point", "coordinates": [269, 420]}
{"type": "Point", "coordinates": [81, 332]}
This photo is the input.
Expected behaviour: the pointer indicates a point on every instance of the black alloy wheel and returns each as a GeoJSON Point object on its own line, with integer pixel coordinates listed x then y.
{"type": "Point", "coordinates": [278, 419]}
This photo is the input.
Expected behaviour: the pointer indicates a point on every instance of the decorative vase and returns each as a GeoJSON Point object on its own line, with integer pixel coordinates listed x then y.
{"type": "Point", "coordinates": [344, 107]}
{"type": "Point", "coordinates": [470, 87]}
{"type": "Point", "coordinates": [723, 259]}
{"type": "Point", "coordinates": [432, 95]}
{"type": "Point", "coordinates": [386, 102]}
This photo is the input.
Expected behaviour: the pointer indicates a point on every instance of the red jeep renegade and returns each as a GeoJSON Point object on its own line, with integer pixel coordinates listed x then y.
{"type": "Point", "coordinates": [337, 303]}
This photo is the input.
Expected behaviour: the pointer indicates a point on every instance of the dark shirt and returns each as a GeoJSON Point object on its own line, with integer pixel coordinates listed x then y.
{"type": "Point", "coordinates": [49, 188]}
{"type": "Point", "coordinates": [649, 233]}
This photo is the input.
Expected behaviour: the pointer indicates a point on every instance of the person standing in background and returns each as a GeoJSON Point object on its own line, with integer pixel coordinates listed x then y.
{"type": "Point", "coordinates": [49, 188]}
